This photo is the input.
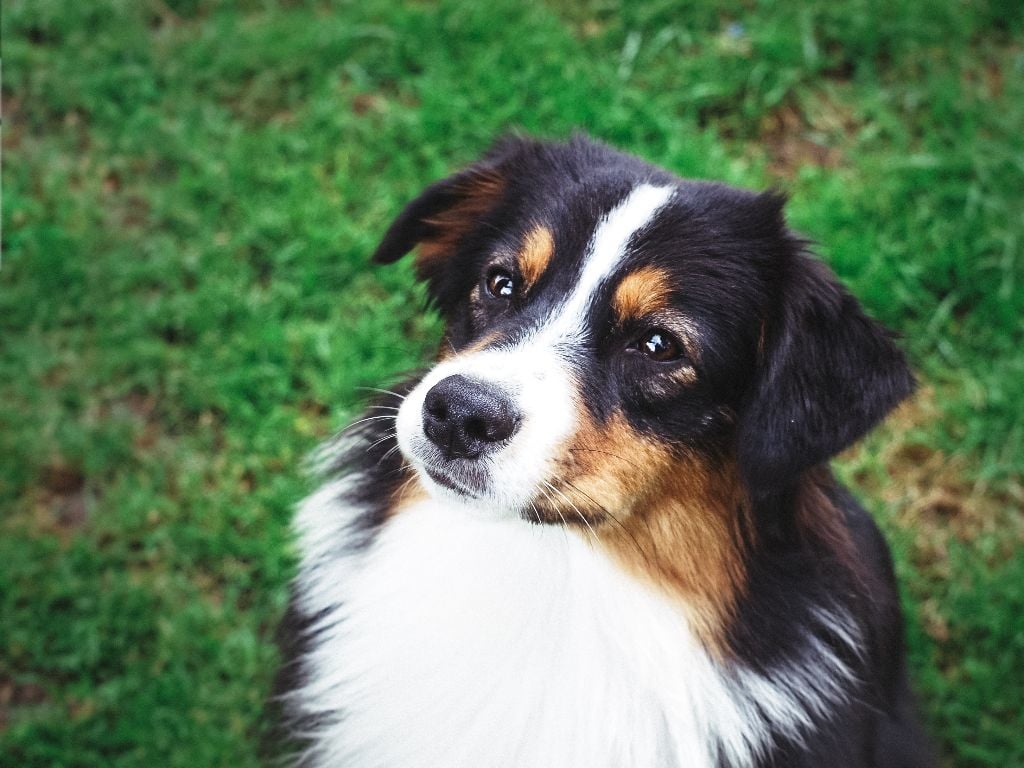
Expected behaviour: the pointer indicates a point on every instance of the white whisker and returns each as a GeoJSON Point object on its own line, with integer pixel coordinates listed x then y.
{"type": "Point", "coordinates": [368, 418]}
{"type": "Point", "coordinates": [382, 391]}
{"type": "Point", "coordinates": [554, 505]}
{"type": "Point", "coordinates": [389, 436]}
{"type": "Point", "coordinates": [575, 508]}
{"type": "Point", "coordinates": [390, 451]}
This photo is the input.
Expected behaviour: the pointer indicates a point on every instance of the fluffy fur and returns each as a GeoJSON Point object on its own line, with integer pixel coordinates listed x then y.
{"type": "Point", "coordinates": [601, 530]}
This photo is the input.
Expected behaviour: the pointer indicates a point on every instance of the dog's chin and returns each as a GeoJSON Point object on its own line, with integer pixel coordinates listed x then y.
{"type": "Point", "coordinates": [452, 483]}
{"type": "Point", "coordinates": [448, 481]}
{"type": "Point", "coordinates": [465, 488]}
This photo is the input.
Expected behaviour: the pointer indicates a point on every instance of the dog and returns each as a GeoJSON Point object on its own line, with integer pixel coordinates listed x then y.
{"type": "Point", "coordinates": [601, 530]}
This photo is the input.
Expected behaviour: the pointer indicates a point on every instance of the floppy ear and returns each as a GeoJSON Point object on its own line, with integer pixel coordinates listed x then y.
{"type": "Point", "coordinates": [444, 214]}
{"type": "Point", "coordinates": [827, 375]}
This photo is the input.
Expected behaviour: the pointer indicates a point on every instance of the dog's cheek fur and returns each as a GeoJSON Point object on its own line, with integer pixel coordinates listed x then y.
{"type": "Point", "coordinates": [674, 518]}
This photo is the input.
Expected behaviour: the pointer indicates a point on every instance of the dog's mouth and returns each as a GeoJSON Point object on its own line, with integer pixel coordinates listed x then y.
{"type": "Point", "coordinates": [451, 478]}
{"type": "Point", "coordinates": [485, 444]}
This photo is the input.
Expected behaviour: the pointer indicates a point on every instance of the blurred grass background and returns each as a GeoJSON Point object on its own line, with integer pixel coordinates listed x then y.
{"type": "Point", "coordinates": [191, 190]}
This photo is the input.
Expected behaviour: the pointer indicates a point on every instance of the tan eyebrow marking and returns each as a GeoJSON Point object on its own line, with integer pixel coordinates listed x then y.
{"type": "Point", "coordinates": [642, 292]}
{"type": "Point", "coordinates": [535, 255]}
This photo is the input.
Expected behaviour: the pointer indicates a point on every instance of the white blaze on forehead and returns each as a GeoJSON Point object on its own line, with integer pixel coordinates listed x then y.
{"type": "Point", "coordinates": [607, 249]}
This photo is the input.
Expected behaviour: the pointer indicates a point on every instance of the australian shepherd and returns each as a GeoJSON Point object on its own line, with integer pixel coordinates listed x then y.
{"type": "Point", "coordinates": [601, 530]}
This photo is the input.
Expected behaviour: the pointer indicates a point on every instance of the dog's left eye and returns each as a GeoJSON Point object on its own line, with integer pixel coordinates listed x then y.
{"type": "Point", "coordinates": [659, 345]}
{"type": "Point", "coordinates": [501, 284]}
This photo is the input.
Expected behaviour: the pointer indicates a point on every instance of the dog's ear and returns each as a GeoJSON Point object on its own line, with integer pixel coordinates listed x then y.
{"type": "Point", "coordinates": [447, 211]}
{"type": "Point", "coordinates": [827, 374]}
{"type": "Point", "coordinates": [441, 216]}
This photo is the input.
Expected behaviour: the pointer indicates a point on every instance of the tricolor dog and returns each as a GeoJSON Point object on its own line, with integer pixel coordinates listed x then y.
{"type": "Point", "coordinates": [601, 531]}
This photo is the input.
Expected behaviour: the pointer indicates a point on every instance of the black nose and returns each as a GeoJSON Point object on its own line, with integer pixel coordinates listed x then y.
{"type": "Point", "coordinates": [465, 417]}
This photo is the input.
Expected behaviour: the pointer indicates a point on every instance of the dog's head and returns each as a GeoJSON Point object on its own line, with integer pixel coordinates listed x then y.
{"type": "Point", "coordinates": [615, 333]}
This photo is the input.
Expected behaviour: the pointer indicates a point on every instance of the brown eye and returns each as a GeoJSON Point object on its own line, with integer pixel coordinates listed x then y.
{"type": "Point", "coordinates": [501, 284]}
{"type": "Point", "coordinates": [659, 345]}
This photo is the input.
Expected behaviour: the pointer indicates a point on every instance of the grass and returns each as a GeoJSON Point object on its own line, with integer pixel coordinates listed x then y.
{"type": "Point", "coordinates": [192, 189]}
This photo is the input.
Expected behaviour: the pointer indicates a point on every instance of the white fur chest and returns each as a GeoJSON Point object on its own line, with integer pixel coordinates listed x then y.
{"type": "Point", "coordinates": [455, 641]}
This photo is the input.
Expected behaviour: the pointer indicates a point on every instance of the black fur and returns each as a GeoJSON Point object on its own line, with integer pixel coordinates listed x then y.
{"type": "Point", "coordinates": [829, 374]}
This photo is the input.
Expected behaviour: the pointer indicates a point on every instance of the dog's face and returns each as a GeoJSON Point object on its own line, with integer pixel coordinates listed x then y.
{"type": "Point", "coordinates": [616, 335]}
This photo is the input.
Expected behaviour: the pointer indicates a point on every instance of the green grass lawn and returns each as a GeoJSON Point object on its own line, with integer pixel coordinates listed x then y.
{"type": "Point", "coordinates": [191, 192]}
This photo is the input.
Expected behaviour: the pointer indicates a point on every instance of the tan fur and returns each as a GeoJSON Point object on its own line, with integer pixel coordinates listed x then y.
{"type": "Point", "coordinates": [673, 520]}
{"type": "Point", "coordinates": [642, 293]}
{"type": "Point", "coordinates": [447, 350]}
{"type": "Point", "coordinates": [411, 491]}
{"type": "Point", "coordinates": [478, 195]}
{"type": "Point", "coordinates": [685, 375]}
{"type": "Point", "coordinates": [535, 255]}
{"type": "Point", "coordinates": [818, 519]}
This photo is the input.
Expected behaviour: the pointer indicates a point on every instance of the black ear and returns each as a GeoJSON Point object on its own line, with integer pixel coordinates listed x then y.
{"type": "Point", "coordinates": [442, 215]}
{"type": "Point", "coordinates": [828, 374]}
{"type": "Point", "coordinates": [448, 211]}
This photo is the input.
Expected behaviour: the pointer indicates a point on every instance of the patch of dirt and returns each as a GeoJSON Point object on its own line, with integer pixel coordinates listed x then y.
{"type": "Point", "coordinates": [592, 28]}
{"type": "Point", "coordinates": [14, 695]}
{"type": "Point", "coordinates": [63, 498]}
{"type": "Point", "coordinates": [143, 407]}
{"type": "Point", "coordinates": [61, 478]}
{"type": "Point", "coordinates": [76, 122]}
{"type": "Point", "coordinates": [367, 102]}
{"type": "Point", "coordinates": [111, 182]}
{"type": "Point", "coordinates": [129, 211]}
{"type": "Point", "coordinates": [931, 495]}
{"type": "Point", "coordinates": [990, 70]}
{"type": "Point", "coordinates": [162, 15]}
{"type": "Point", "coordinates": [994, 80]}
{"type": "Point", "coordinates": [935, 624]}
{"type": "Point", "coordinates": [80, 709]}
{"type": "Point", "coordinates": [10, 111]}
{"type": "Point", "coordinates": [809, 133]}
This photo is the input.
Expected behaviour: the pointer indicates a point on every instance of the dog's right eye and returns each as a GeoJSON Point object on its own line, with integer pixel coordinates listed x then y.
{"type": "Point", "coordinates": [500, 284]}
{"type": "Point", "coordinates": [659, 345]}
